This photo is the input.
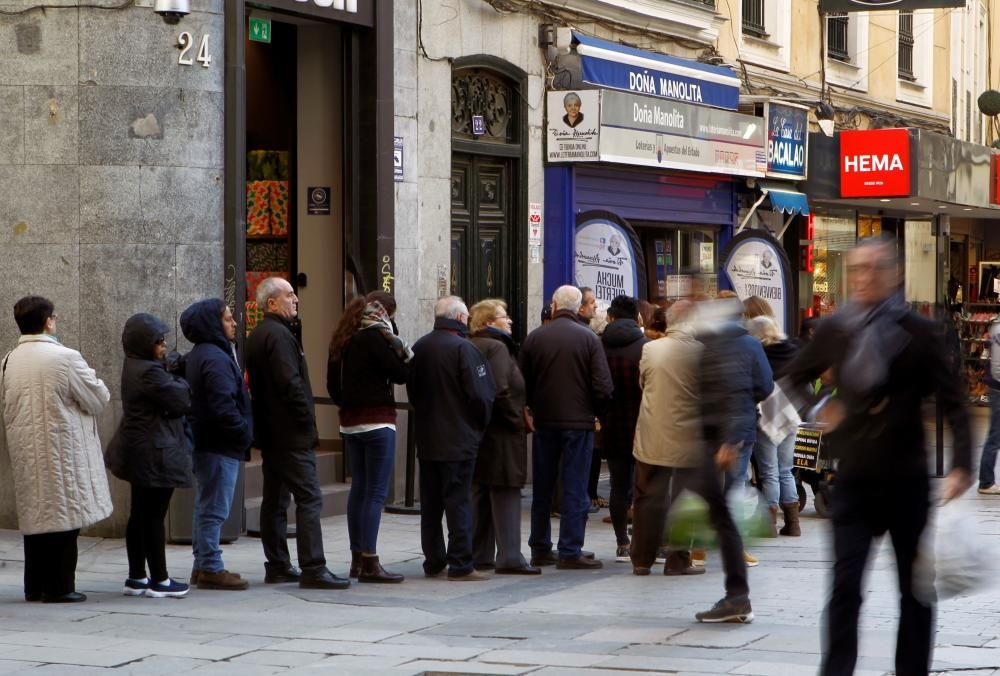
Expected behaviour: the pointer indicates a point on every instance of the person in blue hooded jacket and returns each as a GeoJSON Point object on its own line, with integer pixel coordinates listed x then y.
{"type": "Point", "coordinates": [222, 422]}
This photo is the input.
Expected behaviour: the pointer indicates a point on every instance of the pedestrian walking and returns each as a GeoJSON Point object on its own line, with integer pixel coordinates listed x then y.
{"type": "Point", "coordinates": [687, 432]}
{"type": "Point", "coordinates": [51, 398]}
{"type": "Point", "coordinates": [988, 458]}
{"type": "Point", "coordinates": [151, 451]}
{"type": "Point", "coordinates": [366, 358]}
{"type": "Point", "coordinates": [222, 423]}
{"type": "Point", "coordinates": [502, 462]}
{"type": "Point", "coordinates": [886, 360]}
{"type": "Point", "coordinates": [568, 385]}
{"type": "Point", "coordinates": [285, 429]}
{"type": "Point", "coordinates": [623, 342]}
{"type": "Point", "coordinates": [451, 389]}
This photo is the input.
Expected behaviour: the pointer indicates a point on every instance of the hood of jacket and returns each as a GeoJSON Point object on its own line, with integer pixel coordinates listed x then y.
{"type": "Point", "coordinates": [202, 323]}
{"type": "Point", "coordinates": [621, 333]}
{"type": "Point", "coordinates": [141, 334]}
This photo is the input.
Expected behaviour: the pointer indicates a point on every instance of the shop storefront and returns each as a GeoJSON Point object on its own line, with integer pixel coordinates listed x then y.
{"type": "Point", "coordinates": [642, 174]}
{"type": "Point", "coordinates": [930, 191]}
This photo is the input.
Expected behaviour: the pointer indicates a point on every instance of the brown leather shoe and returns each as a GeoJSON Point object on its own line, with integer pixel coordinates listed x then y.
{"type": "Point", "coordinates": [194, 577]}
{"type": "Point", "coordinates": [579, 563]}
{"type": "Point", "coordinates": [355, 564]}
{"type": "Point", "coordinates": [223, 580]}
{"type": "Point", "coordinates": [372, 571]}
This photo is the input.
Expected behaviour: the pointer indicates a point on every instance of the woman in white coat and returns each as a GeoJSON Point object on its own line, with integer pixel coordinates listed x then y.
{"type": "Point", "coordinates": [50, 399]}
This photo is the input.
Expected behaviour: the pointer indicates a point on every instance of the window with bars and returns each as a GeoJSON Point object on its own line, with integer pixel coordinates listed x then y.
{"type": "Point", "coordinates": [837, 45]}
{"type": "Point", "coordinates": [905, 50]}
{"type": "Point", "coordinates": [753, 18]}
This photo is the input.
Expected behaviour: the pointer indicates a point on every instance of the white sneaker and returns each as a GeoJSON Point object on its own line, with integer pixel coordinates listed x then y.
{"type": "Point", "coordinates": [989, 490]}
{"type": "Point", "coordinates": [622, 554]}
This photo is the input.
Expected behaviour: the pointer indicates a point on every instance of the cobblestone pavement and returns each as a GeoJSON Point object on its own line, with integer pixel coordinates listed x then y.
{"type": "Point", "coordinates": [580, 623]}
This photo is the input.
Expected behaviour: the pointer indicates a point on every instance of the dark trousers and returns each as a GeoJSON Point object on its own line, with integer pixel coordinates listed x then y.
{"type": "Point", "coordinates": [656, 489]}
{"type": "Point", "coordinates": [622, 470]}
{"type": "Point", "coordinates": [573, 448]}
{"type": "Point", "coordinates": [446, 490]}
{"type": "Point", "coordinates": [145, 536]}
{"type": "Point", "coordinates": [50, 563]}
{"type": "Point", "coordinates": [595, 474]}
{"type": "Point", "coordinates": [862, 512]}
{"type": "Point", "coordinates": [496, 531]}
{"type": "Point", "coordinates": [287, 473]}
{"type": "Point", "coordinates": [371, 455]}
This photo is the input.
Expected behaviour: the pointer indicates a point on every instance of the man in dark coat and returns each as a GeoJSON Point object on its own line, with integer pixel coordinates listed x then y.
{"type": "Point", "coordinates": [452, 391]}
{"type": "Point", "coordinates": [623, 340]}
{"type": "Point", "coordinates": [285, 430]}
{"type": "Point", "coordinates": [222, 423]}
{"type": "Point", "coordinates": [886, 360]}
{"type": "Point", "coordinates": [568, 383]}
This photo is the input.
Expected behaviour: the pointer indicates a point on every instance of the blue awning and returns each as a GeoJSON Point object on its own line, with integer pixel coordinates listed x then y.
{"type": "Point", "coordinates": [788, 201]}
{"type": "Point", "coordinates": [608, 64]}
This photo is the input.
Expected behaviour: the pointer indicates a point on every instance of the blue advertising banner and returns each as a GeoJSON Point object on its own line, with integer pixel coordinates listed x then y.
{"type": "Point", "coordinates": [634, 70]}
{"type": "Point", "coordinates": [787, 140]}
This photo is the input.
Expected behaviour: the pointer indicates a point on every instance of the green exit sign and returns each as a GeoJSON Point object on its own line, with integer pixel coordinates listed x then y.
{"type": "Point", "coordinates": [260, 30]}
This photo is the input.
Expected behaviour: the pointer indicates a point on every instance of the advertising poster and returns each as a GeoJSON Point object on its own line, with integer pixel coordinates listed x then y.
{"type": "Point", "coordinates": [573, 125]}
{"type": "Point", "coordinates": [756, 265]}
{"type": "Point", "coordinates": [606, 257]}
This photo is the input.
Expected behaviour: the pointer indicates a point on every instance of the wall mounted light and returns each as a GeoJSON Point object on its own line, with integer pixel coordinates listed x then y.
{"type": "Point", "coordinates": [825, 117]}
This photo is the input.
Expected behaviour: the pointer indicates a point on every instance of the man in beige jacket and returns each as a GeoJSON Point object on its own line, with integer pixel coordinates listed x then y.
{"type": "Point", "coordinates": [50, 398]}
{"type": "Point", "coordinates": [672, 455]}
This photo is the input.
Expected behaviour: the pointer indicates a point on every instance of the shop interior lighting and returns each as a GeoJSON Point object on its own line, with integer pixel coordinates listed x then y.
{"type": "Point", "coordinates": [966, 208]}
{"type": "Point", "coordinates": [825, 117]}
{"type": "Point", "coordinates": [914, 204]}
{"type": "Point", "coordinates": [885, 199]}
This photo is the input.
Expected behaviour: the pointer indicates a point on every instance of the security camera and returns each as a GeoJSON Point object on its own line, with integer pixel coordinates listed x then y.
{"type": "Point", "coordinates": [172, 10]}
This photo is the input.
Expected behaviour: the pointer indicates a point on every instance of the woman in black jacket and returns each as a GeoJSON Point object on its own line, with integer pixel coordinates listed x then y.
{"type": "Point", "coordinates": [152, 451]}
{"type": "Point", "coordinates": [366, 358]}
{"type": "Point", "coordinates": [502, 463]}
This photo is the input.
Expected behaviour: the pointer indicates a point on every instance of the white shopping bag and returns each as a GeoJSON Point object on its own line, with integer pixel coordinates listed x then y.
{"type": "Point", "coordinates": [953, 560]}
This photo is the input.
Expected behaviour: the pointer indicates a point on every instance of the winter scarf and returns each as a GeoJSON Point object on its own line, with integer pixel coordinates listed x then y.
{"type": "Point", "coordinates": [375, 316]}
{"type": "Point", "coordinates": [878, 339]}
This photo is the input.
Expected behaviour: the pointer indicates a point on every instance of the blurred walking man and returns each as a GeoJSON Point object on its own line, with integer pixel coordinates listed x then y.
{"type": "Point", "coordinates": [886, 361]}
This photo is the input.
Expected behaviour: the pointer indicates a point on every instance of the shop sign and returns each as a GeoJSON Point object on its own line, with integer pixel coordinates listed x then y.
{"type": "Point", "coordinates": [995, 166]}
{"type": "Point", "coordinates": [535, 224]}
{"type": "Point", "coordinates": [605, 258]}
{"type": "Point", "coordinates": [872, 5]}
{"type": "Point", "coordinates": [756, 265]}
{"type": "Point", "coordinates": [608, 64]}
{"type": "Point", "coordinates": [655, 133]}
{"type": "Point", "coordinates": [574, 123]}
{"type": "Point", "coordinates": [875, 163]}
{"type": "Point", "coordinates": [318, 203]}
{"type": "Point", "coordinates": [787, 136]}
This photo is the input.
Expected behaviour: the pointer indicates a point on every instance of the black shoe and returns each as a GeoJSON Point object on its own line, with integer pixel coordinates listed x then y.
{"type": "Point", "coordinates": [485, 566]}
{"type": "Point", "coordinates": [323, 579]}
{"type": "Point", "coordinates": [72, 597]}
{"type": "Point", "coordinates": [547, 559]}
{"type": "Point", "coordinates": [520, 570]}
{"type": "Point", "coordinates": [728, 610]}
{"type": "Point", "coordinates": [579, 563]}
{"type": "Point", "coordinates": [34, 597]}
{"type": "Point", "coordinates": [290, 574]}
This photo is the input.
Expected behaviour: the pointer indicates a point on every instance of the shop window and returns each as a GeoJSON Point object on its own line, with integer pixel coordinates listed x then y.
{"type": "Point", "coordinates": [833, 236]}
{"type": "Point", "coordinates": [681, 261]}
{"type": "Point", "coordinates": [847, 48]}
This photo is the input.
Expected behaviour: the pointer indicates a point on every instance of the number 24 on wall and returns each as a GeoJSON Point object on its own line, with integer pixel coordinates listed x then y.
{"type": "Point", "coordinates": [186, 44]}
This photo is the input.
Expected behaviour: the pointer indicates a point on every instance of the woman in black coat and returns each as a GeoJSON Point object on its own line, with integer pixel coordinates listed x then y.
{"type": "Point", "coordinates": [502, 463]}
{"type": "Point", "coordinates": [152, 451]}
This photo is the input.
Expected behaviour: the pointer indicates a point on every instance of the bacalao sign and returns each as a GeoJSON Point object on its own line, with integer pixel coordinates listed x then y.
{"type": "Point", "coordinates": [875, 163]}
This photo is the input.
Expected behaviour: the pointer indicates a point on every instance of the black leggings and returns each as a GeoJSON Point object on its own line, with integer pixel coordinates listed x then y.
{"type": "Point", "coordinates": [145, 537]}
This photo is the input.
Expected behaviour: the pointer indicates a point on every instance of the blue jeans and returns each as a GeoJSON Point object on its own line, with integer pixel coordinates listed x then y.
{"type": "Point", "coordinates": [216, 475]}
{"type": "Point", "coordinates": [774, 462]}
{"type": "Point", "coordinates": [988, 461]}
{"type": "Point", "coordinates": [371, 455]}
{"type": "Point", "coordinates": [740, 470]}
{"type": "Point", "coordinates": [575, 448]}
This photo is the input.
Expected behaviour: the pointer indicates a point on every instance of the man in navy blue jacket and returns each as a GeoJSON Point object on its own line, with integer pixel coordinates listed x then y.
{"type": "Point", "coordinates": [451, 388]}
{"type": "Point", "coordinates": [222, 422]}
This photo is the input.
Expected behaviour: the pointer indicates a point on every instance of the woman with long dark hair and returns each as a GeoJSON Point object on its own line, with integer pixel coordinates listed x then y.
{"type": "Point", "coordinates": [366, 357]}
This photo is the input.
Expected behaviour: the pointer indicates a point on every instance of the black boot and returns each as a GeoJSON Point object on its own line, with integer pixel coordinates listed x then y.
{"type": "Point", "coordinates": [355, 564]}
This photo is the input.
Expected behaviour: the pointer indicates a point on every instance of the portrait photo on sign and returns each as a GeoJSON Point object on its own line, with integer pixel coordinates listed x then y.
{"type": "Point", "coordinates": [574, 118]}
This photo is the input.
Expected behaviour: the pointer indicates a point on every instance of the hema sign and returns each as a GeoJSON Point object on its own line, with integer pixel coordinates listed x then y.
{"type": "Point", "coordinates": [875, 163]}
{"type": "Point", "coordinates": [870, 5]}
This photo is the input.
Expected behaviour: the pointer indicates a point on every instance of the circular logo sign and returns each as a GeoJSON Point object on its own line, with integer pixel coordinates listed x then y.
{"type": "Point", "coordinates": [318, 195]}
